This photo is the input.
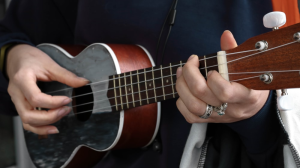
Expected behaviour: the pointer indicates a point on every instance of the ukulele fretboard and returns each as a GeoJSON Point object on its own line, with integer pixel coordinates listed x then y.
{"type": "Point", "coordinates": [150, 85]}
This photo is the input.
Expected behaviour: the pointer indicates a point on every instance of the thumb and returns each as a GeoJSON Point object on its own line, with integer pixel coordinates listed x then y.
{"type": "Point", "coordinates": [227, 41]}
{"type": "Point", "coordinates": [62, 75]}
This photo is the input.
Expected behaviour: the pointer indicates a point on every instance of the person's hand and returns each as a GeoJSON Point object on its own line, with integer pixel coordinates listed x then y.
{"type": "Point", "coordinates": [25, 66]}
{"type": "Point", "coordinates": [195, 92]}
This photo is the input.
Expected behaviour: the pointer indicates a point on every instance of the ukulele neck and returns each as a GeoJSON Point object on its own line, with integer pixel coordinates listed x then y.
{"type": "Point", "coordinates": [155, 84]}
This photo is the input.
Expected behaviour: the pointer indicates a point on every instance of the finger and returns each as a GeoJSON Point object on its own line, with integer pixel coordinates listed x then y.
{"type": "Point", "coordinates": [227, 92]}
{"type": "Point", "coordinates": [193, 104]}
{"type": "Point", "coordinates": [179, 72]}
{"type": "Point", "coordinates": [189, 117]}
{"type": "Point", "coordinates": [196, 82]}
{"type": "Point", "coordinates": [38, 117]}
{"type": "Point", "coordinates": [62, 75]}
{"type": "Point", "coordinates": [38, 99]}
{"type": "Point", "coordinates": [41, 130]}
{"type": "Point", "coordinates": [194, 118]}
{"type": "Point", "coordinates": [227, 41]}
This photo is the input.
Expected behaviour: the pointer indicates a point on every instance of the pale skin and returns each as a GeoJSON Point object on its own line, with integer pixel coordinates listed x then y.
{"type": "Point", "coordinates": [26, 65]}
{"type": "Point", "coordinates": [195, 92]}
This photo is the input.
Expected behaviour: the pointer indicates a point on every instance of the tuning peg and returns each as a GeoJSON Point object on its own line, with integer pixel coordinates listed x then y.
{"type": "Point", "coordinates": [285, 102]}
{"type": "Point", "coordinates": [274, 20]}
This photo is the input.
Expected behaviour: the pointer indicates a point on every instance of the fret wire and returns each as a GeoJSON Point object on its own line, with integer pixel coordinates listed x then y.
{"type": "Point", "coordinates": [116, 102]}
{"type": "Point", "coordinates": [172, 79]}
{"type": "Point", "coordinates": [184, 63]}
{"type": "Point", "coordinates": [162, 82]}
{"type": "Point", "coordinates": [120, 92]}
{"type": "Point", "coordinates": [126, 96]}
{"type": "Point", "coordinates": [146, 85]}
{"type": "Point", "coordinates": [132, 89]}
{"type": "Point", "coordinates": [205, 65]}
{"type": "Point", "coordinates": [119, 96]}
{"type": "Point", "coordinates": [154, 85]}
{"type": "Point", "coordinates": [138, 79]}
{"type": "Point", "coordinates": [111, 88]}
{"type": "Point", "coordinates": [181, 63]}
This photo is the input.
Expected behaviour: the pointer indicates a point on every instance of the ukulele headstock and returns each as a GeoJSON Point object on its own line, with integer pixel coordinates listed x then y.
{"type": "Point", "coordinates": [277, 52]}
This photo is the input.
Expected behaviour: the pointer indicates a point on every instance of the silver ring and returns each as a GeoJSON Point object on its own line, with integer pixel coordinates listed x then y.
{"type": "Point", "coordinates": [220, 110]}
{"type": "Point", "coordinates": [208, 112]}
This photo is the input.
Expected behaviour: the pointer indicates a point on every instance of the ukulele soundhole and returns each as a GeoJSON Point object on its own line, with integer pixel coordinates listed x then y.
{"type": "Point", "coordinates": [83, 102]}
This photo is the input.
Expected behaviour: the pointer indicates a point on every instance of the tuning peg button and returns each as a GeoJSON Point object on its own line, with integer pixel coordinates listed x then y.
{"type": "Point", "coordinates": [285, 103]}
{"type": "Point", "coordinates": [274, 20]}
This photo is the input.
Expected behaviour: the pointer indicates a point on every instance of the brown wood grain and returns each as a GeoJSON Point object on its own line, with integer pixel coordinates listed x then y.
{"type": "Point", "coordinates": [280, 59]}
{"type": "Point", "coordinates": [139, 122]}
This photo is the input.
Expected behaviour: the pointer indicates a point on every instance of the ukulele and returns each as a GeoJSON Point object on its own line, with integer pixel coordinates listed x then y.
{"type": "Point", "coordinates": [120, 107]}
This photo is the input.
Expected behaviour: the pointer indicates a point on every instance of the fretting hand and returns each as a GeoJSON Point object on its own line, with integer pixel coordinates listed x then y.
{"type": "Point", "coordinates": [25, 66]}
{"type": "Point", "coordinates": [195, 92]}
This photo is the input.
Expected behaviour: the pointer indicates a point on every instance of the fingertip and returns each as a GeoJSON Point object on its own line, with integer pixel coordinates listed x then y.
{"type": "Point", "coordinates": [227, 40]}
{"type": "Point", "coordinates": [67, 100]}
{"type": "Point", "coordinates": [53, 130]}
{"type": "Point", "coordinates": [84, 80]}
{"type": "Point", "coordinates": [179, 72]}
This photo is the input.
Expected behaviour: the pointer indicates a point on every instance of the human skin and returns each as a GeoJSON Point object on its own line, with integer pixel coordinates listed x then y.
{"type": "Point", "coordinates": [26, 65]}
{"type": "Point", "coordinates": [195, 92]}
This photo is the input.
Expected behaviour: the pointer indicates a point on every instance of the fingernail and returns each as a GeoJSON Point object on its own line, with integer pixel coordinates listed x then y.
{"type": "Point", "coordinates": [191, 57]}
{"type": "Point", "coordinates": [53, 131]}
{"type": "Point", "coordinates": [209, 72]}
{"type": "Point", "coordinates": [84, 79]}
{"type": "Point", "coordinates": [64, 111]}
{"type": "Point", "coordinates": [67, 100]}
{"type": "Point", "coordinates": [179, 70]}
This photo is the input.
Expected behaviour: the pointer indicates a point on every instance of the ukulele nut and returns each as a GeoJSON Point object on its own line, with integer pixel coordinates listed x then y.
{"type": "Point", "coordinates": [297, 36]}
{"type": "Point", "coordinates": [267, 78]}
{"type": "Point", "coordinates": [261, 45]}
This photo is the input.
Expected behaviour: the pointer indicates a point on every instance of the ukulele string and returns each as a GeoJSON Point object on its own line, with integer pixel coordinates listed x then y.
{"type": "Point", "coordinates": [237, 73]}
{"type": "Point", "coordinates": [142, 72]}
{"type": "Point", "coordinates": [184, 64]}
{"type": "Point", "coordinates": [109, 107]}
{"type": "Point", "coordinates": [123, 77]}
{"type": "Point", "coordinates": [122, 95]}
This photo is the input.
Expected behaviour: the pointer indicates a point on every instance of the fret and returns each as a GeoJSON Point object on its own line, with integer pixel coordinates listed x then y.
{"type": "Point", "coordinates": [180, 63]}
{"type": "Point", "coordinates": [162, 82]}
{"type": "Point", "coordinates": [126, 90]}
{"type": "Point", "coordinates": [172, 80]}
{"type": "Point", "coordinates": [138, 83]}
{"type": "Point", "coordinates": [154, 85]}
{"type": "Point", "coordinates": [132, 89]}
{"type": "Point", "coordinates": [116, 102]}
{"type": "Point", "coordinates": [120, 91]}
{"type": "Point", "coordinates": [205, 65]}
{"type": "Point", "coordinates": [145, 79]}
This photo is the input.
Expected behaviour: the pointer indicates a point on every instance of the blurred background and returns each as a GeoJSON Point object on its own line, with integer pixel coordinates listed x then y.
{"type": "Point", "coordinates": [13, 151]}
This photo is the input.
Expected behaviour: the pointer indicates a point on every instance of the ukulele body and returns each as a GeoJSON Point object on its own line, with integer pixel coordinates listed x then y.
{"type": "Point", "coordinates": [85, 135]}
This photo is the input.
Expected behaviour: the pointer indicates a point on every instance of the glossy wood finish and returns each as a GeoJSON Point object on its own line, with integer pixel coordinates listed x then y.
{"type": "Point", "coordinates": [280, 59]}
{"type": "Point", "coordinates": [139, 122]}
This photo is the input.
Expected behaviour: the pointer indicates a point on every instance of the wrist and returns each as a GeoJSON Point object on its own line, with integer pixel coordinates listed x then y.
{"type": "Point", "coordinates": [3, 57]}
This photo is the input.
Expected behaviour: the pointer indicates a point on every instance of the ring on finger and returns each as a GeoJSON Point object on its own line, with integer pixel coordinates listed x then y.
{"type": "Point", "coordinates": [220, 110]}
{"type": "Point", "coordinates": [208, 112]}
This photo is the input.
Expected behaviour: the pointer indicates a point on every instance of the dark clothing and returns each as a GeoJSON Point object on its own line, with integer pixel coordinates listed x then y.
{"type": "Point", "coordinates": [197, 30]}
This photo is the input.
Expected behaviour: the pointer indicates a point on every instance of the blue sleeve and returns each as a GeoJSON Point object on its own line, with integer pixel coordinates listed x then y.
{"type": "Point", "coordinates": [260, 133]}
